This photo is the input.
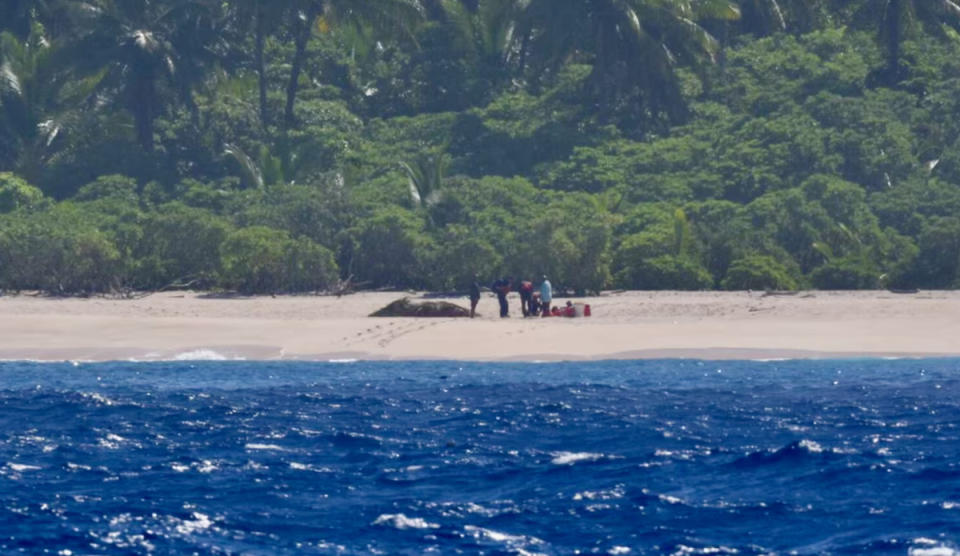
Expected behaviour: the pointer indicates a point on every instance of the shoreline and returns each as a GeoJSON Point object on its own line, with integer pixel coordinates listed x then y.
{"type": "Point", "coordinates": [172, 326]}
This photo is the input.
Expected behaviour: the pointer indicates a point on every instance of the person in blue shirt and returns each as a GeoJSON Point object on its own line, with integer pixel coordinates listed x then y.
{"type": "Point", "coordinates": [546, 296]}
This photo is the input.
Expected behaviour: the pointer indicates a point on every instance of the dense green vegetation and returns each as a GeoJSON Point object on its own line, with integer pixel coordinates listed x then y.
{"type": "Point", "coordinates": [284, 145]}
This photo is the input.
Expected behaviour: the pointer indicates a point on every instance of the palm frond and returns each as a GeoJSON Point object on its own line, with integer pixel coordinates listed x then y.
{"type": "Point", "coordinates": [9, 82]}
{"type": "Point", "coordinates": [825, 251]}
{"type": "Point", "coordinates": [251, 174]}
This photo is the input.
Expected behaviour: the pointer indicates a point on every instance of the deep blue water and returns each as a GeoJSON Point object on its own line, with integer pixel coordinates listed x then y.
{"type": "Point", "coordinates": [654, 457]}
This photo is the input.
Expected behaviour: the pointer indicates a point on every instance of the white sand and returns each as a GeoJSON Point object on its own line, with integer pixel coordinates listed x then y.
{"type": "Point", "coordinates": [624, 325]}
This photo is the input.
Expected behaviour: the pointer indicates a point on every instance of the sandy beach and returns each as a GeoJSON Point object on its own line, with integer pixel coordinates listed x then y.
{"type": "Point", "coordinates": [623, 325]}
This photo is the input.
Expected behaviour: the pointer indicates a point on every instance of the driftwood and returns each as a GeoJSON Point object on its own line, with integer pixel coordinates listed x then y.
{"type": "Point", "coordinates": [780, 293]}
{"type": "Point", "coordinates": [407, 308]}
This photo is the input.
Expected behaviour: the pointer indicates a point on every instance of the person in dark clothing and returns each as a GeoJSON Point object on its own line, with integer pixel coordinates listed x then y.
{"type": "Point", "coordinates": [474, 297]}
{"type": "Point", "coordinates": [526, 297]}
{"type": "Point", "coordinates": [502, 287]}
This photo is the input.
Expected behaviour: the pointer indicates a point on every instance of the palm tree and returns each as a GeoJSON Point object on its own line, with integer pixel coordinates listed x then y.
{"type": "Point", "coordinates": [18, 16]}
{"type": "Point", "coordinates": [634, 45]}
{"type": "Point", "coordinates": [765, 17]}
{"type": "Point", "coordinates": [895, 19]}
{"type": "Point", "coordinates": [486, 27]}
{"type": "Point", "coordinates": [144, 48]}
{"type": "Point", "coordinates": [38, 101]}
{"type": "Point", "coordinates": [426, 177]}
{"type": "Point", "coordinates": [369, 20]}
{"type": "Point", "coordinates": [262, 17]}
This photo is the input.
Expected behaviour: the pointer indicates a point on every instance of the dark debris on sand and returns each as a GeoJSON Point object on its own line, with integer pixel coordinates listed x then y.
{"type": "Point", "coordinates": [407, 308]}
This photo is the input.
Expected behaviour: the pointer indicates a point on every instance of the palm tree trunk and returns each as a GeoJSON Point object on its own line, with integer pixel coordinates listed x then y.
{"type": "Point", "coordinates": [142, 105]}
{"type": "Point", "coordinates": [261, 68]}
{"type": "Point", "coordinates": [303, 29]}
{"type": "Point", "coordinates": [893, 24]}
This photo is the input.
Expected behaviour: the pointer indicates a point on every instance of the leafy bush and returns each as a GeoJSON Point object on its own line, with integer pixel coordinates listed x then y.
{"type": "Point", "coordinates": [261, 260]}
{"type": "Point", "coordinates": [670, 272]}
{"type": "Point", "coordinates": [389, 248]}
{"type": "Point", "coordinates": [180, 243]}
{"type": "Point", "coordinates": [758, 272]}
{"type": "Point", "coordinates": [57, 252]}
{"type": "Point", "coordinates": [16, 193]}
{"type": "Point", "coordinates": [845, 274]}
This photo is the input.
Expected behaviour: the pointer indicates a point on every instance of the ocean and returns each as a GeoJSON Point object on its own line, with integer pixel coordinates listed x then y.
{"type": "Point", "coordinates": [618, 457]}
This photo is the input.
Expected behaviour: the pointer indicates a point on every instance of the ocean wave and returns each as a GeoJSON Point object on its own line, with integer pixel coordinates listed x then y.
{"type": "Point", "coordinates": [572, 458]}
{"type": "Point", "coordinates": [931, 547]}
{"type": "Point", "coordinates": [265, 447]}
{"type": "Point", "coordinates": [796, 451]}
{"type": "Point", "coordinates": [199, 522]}
{"type": "Point", "coordinates": [21, 467]}
{"type": "Point", "coordinates": [400, 521]}
{"type": "Point", "coordinates": [514, 542]}
{"type": "Point", "coordinates": [204, 355]}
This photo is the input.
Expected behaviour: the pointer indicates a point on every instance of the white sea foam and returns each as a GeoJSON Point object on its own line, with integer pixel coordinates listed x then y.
{"type": "Point", "coordinates": [200, 355]}
{"type": "Point", "coordinates": [400, 521]}
{"type": "Point", "coordinates": [206, 466]}
{"type": "Point", "coordinates": [516, 543]}
{"type": "Point", "coordinates": [948, 505]}
{"type": "Point", "coordinates": [199, 522]}
{"type": "Point", "coordinates": [811, 446]}
{"type": "Point", "coordinates": [934, 551]}
{"type": "Point", "coordinates": [256, 446]}
{"type": "Point", "coordinates": [683, 550]}
{"type": "Point", "coordinates": [111, 441]}
{"type": "Point", "coordinates": [97, 397]}
{"type": "Point", "coordinates": [21, 467]}
{"type": "Point", "coordinates": [342, 360]}
{"type": "Point", "coordinates": [571, 458]}
{"type": "Point", "coordinates": [297, 466]}
{"type": "Point", "coordinates": [611, 494]}
{"type": "Point", "coordinates": [617, 550]}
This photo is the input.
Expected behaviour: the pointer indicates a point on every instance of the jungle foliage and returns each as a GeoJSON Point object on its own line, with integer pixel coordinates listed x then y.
{"type": "Point", "coordinates": [285, 145]}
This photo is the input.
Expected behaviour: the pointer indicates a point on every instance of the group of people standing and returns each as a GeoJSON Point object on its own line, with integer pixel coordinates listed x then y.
{"type": "Point", "coordinates": [533, 302]}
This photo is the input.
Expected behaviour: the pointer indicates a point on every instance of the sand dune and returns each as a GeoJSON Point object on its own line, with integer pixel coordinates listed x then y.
{"type": "Point", "coordinates": [624, 325]}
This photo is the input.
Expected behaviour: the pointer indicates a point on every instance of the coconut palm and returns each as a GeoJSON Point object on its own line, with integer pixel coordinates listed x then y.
{"type": "Point", "coordinates": [38, 100]}
{"type": "Point", "coordinates": [262, 18]}
{"type": "Point", "coordinates": [634, 45]}
{"type": "Point", "coordinates": [894, 20]}
{"type": "Point", "coordinates": [363, 23]}
{"type": "Point", "coordinates": [148, 54]}
{"type": "Point", "coordinates": [765, 17]}
{"type": "Point", "coordinates": [425, 176]}
{"type": "Point", "coordinates": [485, 27]}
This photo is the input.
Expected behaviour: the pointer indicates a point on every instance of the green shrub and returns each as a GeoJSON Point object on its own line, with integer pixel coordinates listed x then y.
{"type": "Point", "coordinates": [16, 193]}
{"type": "Point", "coordinates": [758, 272]}
{"type": "Point", "coordinates": [669, 272]}
{"type": "Point", "coordinates": [845, 274]}
{"type": "Point", "coordinates": [57, 253]}
{"type": "Point", "coordinates": [261, 260]}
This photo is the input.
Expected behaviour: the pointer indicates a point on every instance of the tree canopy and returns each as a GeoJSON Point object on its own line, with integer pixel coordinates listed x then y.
{"type": "Point", "coordinates": [284, 146]}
